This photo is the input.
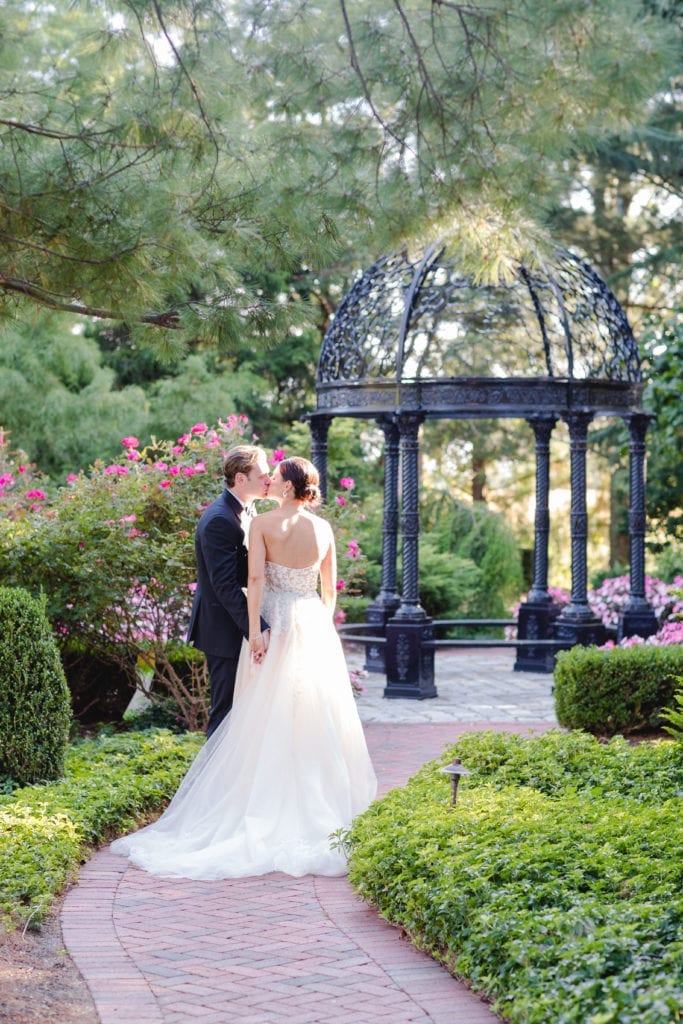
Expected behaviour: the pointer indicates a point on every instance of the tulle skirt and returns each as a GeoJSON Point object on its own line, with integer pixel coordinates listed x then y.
{"type": "Point", "coordinates": [288, 767]}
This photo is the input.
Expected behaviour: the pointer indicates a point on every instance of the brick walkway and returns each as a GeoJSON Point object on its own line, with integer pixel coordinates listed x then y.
{"type": "Point", "coordinates": [264, 950]}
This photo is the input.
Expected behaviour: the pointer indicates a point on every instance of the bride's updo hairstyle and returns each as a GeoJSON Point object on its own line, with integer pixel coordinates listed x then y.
{"type": "Point", "coordinates": [303, 476]}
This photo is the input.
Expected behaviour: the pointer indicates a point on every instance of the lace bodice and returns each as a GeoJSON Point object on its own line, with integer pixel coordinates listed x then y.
{"type": "Point", "coordinates": [283, 593]}
{"type": "Point", "coordinates": [302, 582]}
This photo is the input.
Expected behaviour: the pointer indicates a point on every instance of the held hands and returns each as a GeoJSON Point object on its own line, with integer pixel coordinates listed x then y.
{"type": "Point", "coordinates": [258, 645]}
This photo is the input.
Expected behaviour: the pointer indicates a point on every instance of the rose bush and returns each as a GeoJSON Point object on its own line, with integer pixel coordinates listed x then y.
{"type": "Point", "coordinates": [113, 552]}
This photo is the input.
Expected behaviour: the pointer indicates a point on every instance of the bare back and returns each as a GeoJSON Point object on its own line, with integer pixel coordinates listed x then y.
{"type": "Point", "coordinates": [296, 539]}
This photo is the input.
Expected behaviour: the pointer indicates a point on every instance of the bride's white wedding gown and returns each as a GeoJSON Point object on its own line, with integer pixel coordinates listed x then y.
{"type": "Point", "coordinates": [286, 768]}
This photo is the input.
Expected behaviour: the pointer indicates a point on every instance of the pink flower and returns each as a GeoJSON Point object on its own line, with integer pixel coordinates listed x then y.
{"type": "Point", "coordinates": [134, 532]}
{"type": "Point", "coordinates": [353, 549]}
{"type": "Point", "coordinates": [165, 483]}
{"type": "Point", "coordinates": [183, 438]}
{"type": "Point", "coordinates": [341, 584]}
{"type": "Point", "coordinates": [6, 480]}
{"type": "Point", "coordinates": [340, 500]}
{"type": "Point", "coordinates": [198, 428]}
{"type": "Point", "coordinates": [200, 467]}
{"type": "Point", "coordinates": [130, 442]}
{"type": "Point", "coordinates": [174, 470]}
{"type": "Point", "coordinates": [115, 470]}
{"type": "Point", "coordinates": [132, 518]}
{"type": "Point", "coordinates": [36, 495]}
{"type": "Point", "coordinates": [347, 482]}
{"type": "Point", "coordinates": [339, 616]}
{"type": "Point", "coordinates": [22, 469]}
{"type": "Point", "coordinates": [133, 455]}
{"type": "Point", "coordinates": [278, 455]}
{"type": "Point", "coordinates": [187, 471]}
{"type": "Point", "coordinates": [177, 449]}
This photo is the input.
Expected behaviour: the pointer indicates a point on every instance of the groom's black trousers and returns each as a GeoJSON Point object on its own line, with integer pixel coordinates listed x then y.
{"type": "Point", "coordinates": [222, 672]}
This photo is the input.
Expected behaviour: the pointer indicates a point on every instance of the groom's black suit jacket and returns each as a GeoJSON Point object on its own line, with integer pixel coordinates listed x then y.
{"type": "Point", "coordinates": [219, 616]}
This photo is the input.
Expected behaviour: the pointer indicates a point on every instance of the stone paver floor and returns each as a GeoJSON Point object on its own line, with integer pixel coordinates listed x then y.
{"type": "Point", "coordinates": [275, 949]}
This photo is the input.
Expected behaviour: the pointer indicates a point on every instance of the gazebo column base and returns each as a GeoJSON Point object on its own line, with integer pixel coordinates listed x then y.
{"type": "Point", "coordinates": [570, 632]}
{"type": "Point", "coordinates": [377, 615]}
{"type": "Point", "coordinates": [639, 620]}
{"type": "Point", "coordinates": [409, 664]}
{"type": "Point", "coordinates": [536, 621]}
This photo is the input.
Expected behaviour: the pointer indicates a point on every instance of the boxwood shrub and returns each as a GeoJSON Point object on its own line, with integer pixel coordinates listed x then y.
{"type": "Point", "coordinates": [34, 698]}
{"type": "Point", "coordinates": [619, 690]}
{"type": "Point", "coordinates": [554, 885]}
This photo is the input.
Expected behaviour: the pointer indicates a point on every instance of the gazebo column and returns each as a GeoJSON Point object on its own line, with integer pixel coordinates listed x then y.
{"type": "Point", "coordinates": [387, 601]}
{"type": "Point", "coordinates": [410, 665]}
{"type": "Point", "coordinates": [319, 424]}
{"type": "Point", "coordinates": [577, 624]}
{"type": "Point", "coordinates": [538, 613]}
{"type": "Point", "coordinates": [637, 617]}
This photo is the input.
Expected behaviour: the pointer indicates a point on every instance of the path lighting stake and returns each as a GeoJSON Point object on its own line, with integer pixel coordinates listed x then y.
{"type": "Point", "coordinates": [455, 769]}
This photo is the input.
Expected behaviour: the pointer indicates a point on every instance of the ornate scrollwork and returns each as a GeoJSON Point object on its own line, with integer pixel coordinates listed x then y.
{"type": "Point", "coordinates": [424, 320]}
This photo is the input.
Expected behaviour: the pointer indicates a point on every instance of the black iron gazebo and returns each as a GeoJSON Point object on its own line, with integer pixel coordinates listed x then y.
{"type": "Point", "coordinates": [418, 339]}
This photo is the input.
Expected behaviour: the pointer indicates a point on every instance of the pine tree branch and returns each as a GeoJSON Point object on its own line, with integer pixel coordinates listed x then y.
{"type": "Point", "coordinates": [168, 318]}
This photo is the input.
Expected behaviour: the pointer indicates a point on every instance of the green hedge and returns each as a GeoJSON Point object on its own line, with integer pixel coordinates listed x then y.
{"type": "Point", "coordinates": [619, 690]}
{"type": "Point", "coordinates": [34, 699]}
{"type": "Point", "coordinates": [554, 886]}
{"type": "Point", "coordinates": [109, 783]}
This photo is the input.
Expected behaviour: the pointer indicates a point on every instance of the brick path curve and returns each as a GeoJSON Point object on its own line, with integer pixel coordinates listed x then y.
{"type": "Point", "coordinates": [264, 950]}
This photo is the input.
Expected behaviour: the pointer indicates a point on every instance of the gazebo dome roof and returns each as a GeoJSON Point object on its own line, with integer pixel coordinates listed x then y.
{"type": "Point", "coordinates": [409, 322]}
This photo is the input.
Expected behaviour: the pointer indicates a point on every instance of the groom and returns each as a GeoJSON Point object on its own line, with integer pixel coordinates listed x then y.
{"type": "Point", "coordinates": [219, 617]}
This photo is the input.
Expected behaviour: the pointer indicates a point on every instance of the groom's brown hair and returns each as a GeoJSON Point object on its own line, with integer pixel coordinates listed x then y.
{"type": "Point", "coordinates": [240, 459]}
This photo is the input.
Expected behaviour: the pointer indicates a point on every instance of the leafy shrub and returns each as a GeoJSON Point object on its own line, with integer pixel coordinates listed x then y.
{"type": "Point", "coordinates": [674, 715]}
{"type": "Point", "coordinates": [34, 698]}
{"type": "Point", "coordinates": [108, 785]}
{"type": "Point", "coordinates": [553, 886]}
{"type": "Point", "coordinates": [476, 534]}
{"type": "Point", "coordinates": [619, 690]}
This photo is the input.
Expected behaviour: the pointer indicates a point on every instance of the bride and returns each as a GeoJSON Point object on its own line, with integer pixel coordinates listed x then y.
{"type": "Point", "coordinates": [289, 765]}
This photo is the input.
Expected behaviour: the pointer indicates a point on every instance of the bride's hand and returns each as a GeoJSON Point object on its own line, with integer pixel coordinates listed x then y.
{"type": "Point", "coordinates": [257, 648]}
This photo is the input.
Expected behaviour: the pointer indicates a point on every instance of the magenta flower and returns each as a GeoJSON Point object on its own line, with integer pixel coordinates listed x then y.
{"type": "Point", "coordinates": [199, 428]}
{"type": "Point", "coordinates": [339, 616]}
{"type": "Point", "coordinates": [353, 549]}
{"type": "Point", "coordinates": [36, 495]}
{"type": "Point", "coordinates": [340, 500]}
{"type": "Point", "coordinates": [115, 470]}
{"type": "Point", "coordinates": [6, 480]}
{"type": "Point", "coordinates": [130, 442]}
{"type": "Point", "coordinates": [278, 456]}
{"type": "Point", "coordinates": [347, 482]}
{"type": "Point", "coordinates": [341, 584]}
{"type": "Point", "coordinates": [22, 469]}
{"type": "Point", "coordinates": [177, 449]}
{"type": "Point", "coordinates": [165, 484]}
{"type": "Point", "coordinates": [200, 467]}
{"type": "Point", "coordinates": [161, 466]}
{"type": "Point", "coordinates": [132, 518]}
{"type": "Point", "coordinates": [187, 471]}
{"type": "Point", "coordinates": [183, 438]}
{"type": "Point", "coordinates": [133, 455]}
{"type": "Point", "coordinates": [174, 470]}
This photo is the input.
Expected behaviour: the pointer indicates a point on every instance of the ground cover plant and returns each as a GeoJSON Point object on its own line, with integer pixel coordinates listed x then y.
{"type": "Point", "coordinates": [109, 784]}
{"type": "Point", "coordinates": [555, 883]}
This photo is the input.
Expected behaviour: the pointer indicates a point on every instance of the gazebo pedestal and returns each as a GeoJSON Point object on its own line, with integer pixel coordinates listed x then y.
{"type": "Point", "coordinates": [409, 665]}
{"type": "Point", "coordinates": [536, 621]}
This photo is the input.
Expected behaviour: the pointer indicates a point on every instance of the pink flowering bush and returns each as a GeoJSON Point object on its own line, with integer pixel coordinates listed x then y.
{"type": "Point", "coordinates": [22, 488]}
{"type": "Point", "coordinates": [609, 599]}
{"type": "Point", "coordinates": [113, 552]}
{"type": "Point", "coordinates": [345, 516]}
